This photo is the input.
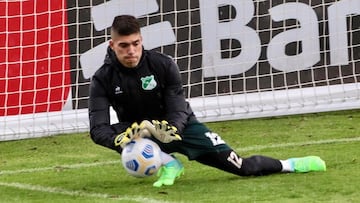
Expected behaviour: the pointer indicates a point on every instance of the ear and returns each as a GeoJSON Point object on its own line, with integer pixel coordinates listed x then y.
{"type": "Point", "coordinates": [111, 44]}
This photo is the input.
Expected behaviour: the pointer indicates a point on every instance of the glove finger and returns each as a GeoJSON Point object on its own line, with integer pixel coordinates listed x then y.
{"type": "Point", "coordinates": [122, 139]}
{"type": "Point", "coordinates": [144, 133]}
{"type": "Point", "coordinates": [176, 136]}
{"type": "Point", "coordinates": [135, 128]}
{"type": "Point", "coordinates": [145, 124]}
{"type": "Point", "coordinates": [128, 133]}
{"type": "Point", "coordinates": [133, 131]}
{"type": "Point", "coordinates": [164, 125]}
{"type": "Point", "coordinates": [147, 128]}
{"type": "Point", "coordinates": [167, 138]}
{"type": "Point", "coordinates": [156, 124]}
{"type": "Point", "coordinates": [173, 129]}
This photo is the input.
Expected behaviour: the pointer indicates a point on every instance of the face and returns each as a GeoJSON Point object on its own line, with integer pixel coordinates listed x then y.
{"type": "Point", "coordinates": [128, 49]}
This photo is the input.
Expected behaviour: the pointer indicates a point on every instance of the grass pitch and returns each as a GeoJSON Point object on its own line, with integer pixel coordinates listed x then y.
{"type": "Point", "coordinates": [71, 168]}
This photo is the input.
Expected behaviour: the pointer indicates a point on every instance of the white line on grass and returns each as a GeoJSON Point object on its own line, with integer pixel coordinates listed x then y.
{"type": "Point", "coordinates": [241, 149]}
{"type": "Point", "coordinates": [77, 193]}
{"type": "Point", "coordinates": [296, 144]}
{"type": "Point", "coordinates": [61, 167]}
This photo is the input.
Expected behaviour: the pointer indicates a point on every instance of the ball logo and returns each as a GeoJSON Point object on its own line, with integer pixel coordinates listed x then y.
{"type": "Point", "coordinates": [132, 165]}
{"type": "Point", "coordinates": [151, 170]}
{"type": "Point", "coordinates": [34, 63]}
{"type": "Point", "coordinates": [148, 152]}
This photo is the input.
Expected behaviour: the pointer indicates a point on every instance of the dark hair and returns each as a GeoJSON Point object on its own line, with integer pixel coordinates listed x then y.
{"type": "Point", "coordinates": [125, 25]}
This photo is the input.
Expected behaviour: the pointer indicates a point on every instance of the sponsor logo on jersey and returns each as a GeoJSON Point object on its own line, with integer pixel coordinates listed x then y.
{"type": "Point", "coordinates": [118, 90]}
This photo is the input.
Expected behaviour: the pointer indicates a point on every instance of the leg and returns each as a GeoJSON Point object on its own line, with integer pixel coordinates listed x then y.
{"type": "Point", "coordinates": [169, 171]}
{"type": "Point", "coordinates": [206, 147]}
{"type": "Point", "coordinates": [229, 161]}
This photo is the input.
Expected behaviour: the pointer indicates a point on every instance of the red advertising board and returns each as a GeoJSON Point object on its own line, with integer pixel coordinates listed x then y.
{"type": "Point", "coordinates": [34, 62]}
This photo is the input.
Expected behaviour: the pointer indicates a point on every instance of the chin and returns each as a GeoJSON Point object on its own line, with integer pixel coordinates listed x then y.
{"type": "Point", "coordinates": [131, 65]}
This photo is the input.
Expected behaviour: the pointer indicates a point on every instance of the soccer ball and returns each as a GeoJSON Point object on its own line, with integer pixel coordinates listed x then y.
{"type": "Point", "coordinates": [141, 157]}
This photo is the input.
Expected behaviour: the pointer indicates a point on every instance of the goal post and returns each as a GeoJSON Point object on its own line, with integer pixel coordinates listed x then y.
{"type": "Point", "coordinates": [238, 59]}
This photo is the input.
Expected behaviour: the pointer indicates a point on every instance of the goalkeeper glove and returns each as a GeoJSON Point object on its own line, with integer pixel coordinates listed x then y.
{"type": "Point", "coordinates": [162, 131]}
{"type": "Point", "coordinates": [129, 134]}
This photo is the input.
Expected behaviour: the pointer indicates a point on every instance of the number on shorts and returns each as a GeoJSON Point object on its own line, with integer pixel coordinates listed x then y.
{"type": "Point", "coordinates": [215, 138]}
{"type": "Point", "coordinates": [235, 159]}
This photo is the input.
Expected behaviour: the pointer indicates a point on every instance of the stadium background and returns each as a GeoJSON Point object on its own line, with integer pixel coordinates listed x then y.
{"type": "Point", "coordinates": [66, 32]}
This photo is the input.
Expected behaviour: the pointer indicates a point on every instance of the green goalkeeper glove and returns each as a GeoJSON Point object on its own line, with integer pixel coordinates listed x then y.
{"type": "Point", "coordinates": [162, 131]}
{"type": "Point", "coordinates": [129, 134]}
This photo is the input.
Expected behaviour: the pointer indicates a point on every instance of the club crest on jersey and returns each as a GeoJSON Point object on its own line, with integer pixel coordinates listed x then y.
{"type": "Point", "coordinates": [148, 82]}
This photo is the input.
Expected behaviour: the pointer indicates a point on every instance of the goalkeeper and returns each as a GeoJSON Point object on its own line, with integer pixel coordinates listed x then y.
{"type": "Point", "coordinates": [144, 88]}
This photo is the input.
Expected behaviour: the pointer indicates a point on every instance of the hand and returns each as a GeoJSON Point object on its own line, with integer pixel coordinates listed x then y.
{"type": "Point", "coordinates": [161, 130]}
{"type": "Point", "coordinates": [129, 134]}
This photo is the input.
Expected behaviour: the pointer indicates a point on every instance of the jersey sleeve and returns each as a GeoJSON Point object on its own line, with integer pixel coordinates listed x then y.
{"type": "Point", "coordinates": [177, 108]}
{"type": "Point", "coordinates": [101, 131]}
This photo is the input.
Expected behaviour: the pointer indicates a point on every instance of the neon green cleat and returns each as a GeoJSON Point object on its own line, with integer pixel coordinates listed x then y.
{"type": "Point", "coordinates": [307, 164]}
{"type": "Point", "coordinates": [168, 173]}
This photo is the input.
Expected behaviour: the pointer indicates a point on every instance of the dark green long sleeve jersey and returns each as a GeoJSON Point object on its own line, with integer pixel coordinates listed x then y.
{"type": "Point", "coordinates": [151, 91]}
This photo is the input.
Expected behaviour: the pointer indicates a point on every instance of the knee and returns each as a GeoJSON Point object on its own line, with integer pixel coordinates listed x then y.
{"type": "Point", "coordinates": [251, 166]}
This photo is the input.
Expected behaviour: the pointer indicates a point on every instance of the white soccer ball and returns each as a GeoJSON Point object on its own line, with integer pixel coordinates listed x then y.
{"type": "Point", "coordinates": [141, 157]}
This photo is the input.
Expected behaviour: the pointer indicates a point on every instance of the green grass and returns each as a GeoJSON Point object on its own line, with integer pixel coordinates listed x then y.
{"type": "Point", "coordinates": [71, 168]}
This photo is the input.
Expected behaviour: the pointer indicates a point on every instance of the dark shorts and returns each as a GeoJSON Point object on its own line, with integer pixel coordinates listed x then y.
{"type": "Point", "coordinates": [197, 140]}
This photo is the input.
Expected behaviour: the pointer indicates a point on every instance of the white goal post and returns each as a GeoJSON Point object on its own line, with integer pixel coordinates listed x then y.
{"type": "Point", "coordinates": [238, 59]}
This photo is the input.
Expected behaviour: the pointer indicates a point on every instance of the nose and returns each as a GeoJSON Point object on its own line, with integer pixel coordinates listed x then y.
{"type": "Point", "coordinates": [131, 49]}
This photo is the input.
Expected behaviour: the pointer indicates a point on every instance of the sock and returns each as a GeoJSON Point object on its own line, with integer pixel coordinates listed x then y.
{"type": "Point", "coordinates": [166, 158]}
{"type": "Point", "coordinates": [286, 166]}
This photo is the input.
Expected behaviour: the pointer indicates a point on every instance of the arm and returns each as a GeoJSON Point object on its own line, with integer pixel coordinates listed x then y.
{"type": "Point", "coordinates": [177, 109]}
{"type": "Point", "coordinates": [101, 131]}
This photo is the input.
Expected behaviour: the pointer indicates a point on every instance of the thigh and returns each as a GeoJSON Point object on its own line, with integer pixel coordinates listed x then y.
{"type": "Point", "coordinates": [197, 139]}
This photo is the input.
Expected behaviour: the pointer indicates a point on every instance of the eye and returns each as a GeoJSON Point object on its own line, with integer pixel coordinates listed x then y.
{"type": "Point", "coordinates": [124, 45]}
{"type": "Point", "coordinates": [136, 43]}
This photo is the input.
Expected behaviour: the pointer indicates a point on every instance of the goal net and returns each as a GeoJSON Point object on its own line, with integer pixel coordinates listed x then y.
{"type": "Point", "coordinates": [238, 59]}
